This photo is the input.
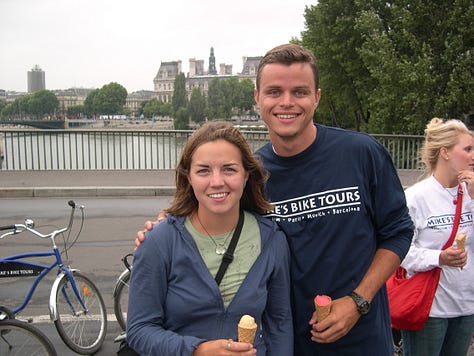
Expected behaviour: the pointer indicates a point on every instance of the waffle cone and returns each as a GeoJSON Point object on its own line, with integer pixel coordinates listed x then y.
{"type": "Point", "coordinates": [461, 241]}
{"type": "Point", "coordinates": [247, 334]}
{"type": "Point", "coordinates": [322, 311]}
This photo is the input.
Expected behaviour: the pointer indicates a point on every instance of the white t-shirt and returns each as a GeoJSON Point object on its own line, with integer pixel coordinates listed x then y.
{"type": "Point", "coordinates": [432, 210]}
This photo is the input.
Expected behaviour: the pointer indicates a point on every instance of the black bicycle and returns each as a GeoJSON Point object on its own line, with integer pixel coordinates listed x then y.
{"type": "Point", "coordinates": [19, 338]}
{"type": "Point", "coordinates": [121, 293]}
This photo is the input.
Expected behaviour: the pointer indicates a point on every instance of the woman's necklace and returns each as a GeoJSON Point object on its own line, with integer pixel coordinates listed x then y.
{"type": "Point", "coordinates": [221, 248]}
{"type": "Point", "coordinates": [454, 196]}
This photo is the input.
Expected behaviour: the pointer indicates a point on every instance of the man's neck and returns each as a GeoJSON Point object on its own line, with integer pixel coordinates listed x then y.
{"type": "Point", "coordinates": [291, 146]}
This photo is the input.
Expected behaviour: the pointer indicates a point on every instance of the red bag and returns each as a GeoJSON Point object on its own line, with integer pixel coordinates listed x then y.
{"type": "Point", "coordinates": [410, 299]}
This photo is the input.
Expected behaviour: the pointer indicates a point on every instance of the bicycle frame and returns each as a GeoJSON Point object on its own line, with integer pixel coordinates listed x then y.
{"type": "Point", "coordinates": [45, 269]}
{"type": "Point", "coordinates": [75, 304]}
{"type": "Point", "coordinates": [32, 269]}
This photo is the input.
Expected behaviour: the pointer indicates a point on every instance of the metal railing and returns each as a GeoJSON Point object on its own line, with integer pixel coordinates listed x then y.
{"type": "Point", "coordinates": [23, 149]}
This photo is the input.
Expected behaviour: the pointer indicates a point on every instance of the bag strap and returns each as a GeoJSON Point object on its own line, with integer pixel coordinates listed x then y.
{"type": "Point", "coordinates": [229, 253]}
{"type": "Point", "coordinates": [457, 217]}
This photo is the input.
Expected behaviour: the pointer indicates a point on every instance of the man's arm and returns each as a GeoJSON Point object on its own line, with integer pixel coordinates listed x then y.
{"type": "Point", "coordinates": [344, 312]}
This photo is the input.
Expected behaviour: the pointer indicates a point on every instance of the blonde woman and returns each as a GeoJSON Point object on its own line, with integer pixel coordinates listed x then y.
{"type": "Point", "coordinates": [448, 157]}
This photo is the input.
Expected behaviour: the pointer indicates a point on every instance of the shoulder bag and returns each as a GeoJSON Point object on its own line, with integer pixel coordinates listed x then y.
{"type": "Point", "coordinates": [410, 299]}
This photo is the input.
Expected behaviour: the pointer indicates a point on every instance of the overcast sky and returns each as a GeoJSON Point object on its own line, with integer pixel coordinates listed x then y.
{"type": "Point", "coordinates": [90, 43]}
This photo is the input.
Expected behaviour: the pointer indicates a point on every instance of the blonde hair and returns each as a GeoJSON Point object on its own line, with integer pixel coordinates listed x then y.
{"type": "Point", "coordinates": [439, 134]}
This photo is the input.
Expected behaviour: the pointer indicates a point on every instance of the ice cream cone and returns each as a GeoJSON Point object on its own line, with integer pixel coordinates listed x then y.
{"type": "Point", "coordinates": [322, 304]}
{"type": "Point", "coordinates": [461, 241]}
{"type": "Point", "coordinates": [247, 329]}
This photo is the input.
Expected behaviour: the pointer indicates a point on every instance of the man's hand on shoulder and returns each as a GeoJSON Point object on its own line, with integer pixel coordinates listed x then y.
{"type": "Point", "coordinates": [148, 226]}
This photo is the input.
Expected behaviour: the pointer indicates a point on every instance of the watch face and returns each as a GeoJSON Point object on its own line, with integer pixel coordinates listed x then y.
{"type": "Point", "coordinates": [364, 307]}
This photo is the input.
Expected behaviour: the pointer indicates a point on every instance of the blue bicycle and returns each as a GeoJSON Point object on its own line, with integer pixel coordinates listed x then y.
{"type": "Point", "coordinates": [75, 304]}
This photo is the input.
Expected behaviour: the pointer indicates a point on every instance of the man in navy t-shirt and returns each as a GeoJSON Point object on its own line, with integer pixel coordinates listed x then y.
{"type": "Point", "coordinates": [339, 200]}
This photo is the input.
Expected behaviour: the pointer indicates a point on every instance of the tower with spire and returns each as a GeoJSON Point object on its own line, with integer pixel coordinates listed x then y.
{"type": "Point", "coordinates": [212, 63]}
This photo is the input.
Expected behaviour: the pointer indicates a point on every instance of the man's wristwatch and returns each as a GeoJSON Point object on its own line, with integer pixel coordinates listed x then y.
{"type": "Point", "coordinates": [363, 306]}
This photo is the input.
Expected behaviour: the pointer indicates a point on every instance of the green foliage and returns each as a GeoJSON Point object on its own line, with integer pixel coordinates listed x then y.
{"type": "Point", "coordinates": [390, 66]}
{"type": "Point", "coordinates": [90, 103]}
{"type": "Point", "coordinates": [227, 97]}
{"type": "Point", "coordinates": [215, 100]}
{"type": "Point", "coordinates": [181, 120]}
{"type": "Point", "coordinates": [37, 105]}
{"type": "Point", "coordinates": [108, 100]}
{"type": "Point", "coordinates": [197, 106]}
{"type": "Point", "coordinates": [179, 99]}
{"type": "Point", "coordinates": [343, 76]}
{"type": "Point", "coordinates": [3, 104]}
{"type": "Point", "coordinates": [75, 110]}
{"type": "Point", "coordinates": [111, 99]}
{"type": "Point", "coordinates": [244, 100]}
{"type": "Point", "coordinates": [154, 107]}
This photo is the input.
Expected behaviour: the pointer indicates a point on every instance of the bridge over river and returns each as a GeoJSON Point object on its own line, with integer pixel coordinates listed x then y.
{"type": "Point", "coordinates": [49, 124]}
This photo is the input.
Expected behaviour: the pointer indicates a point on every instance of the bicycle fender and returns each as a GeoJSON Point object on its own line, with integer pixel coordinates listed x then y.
{"type": "Point", "coordinates": [53, 312]}
{"type": "Point", "coordinates": [123, 274]}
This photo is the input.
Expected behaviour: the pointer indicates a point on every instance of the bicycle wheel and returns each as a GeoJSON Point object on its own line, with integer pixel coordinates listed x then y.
{"type": "Point", "coordinates": [20, 338]}
{"type": "Point", "coordinates": [82, 331]}
{"type": "Point", "coordinates": [121, 299]}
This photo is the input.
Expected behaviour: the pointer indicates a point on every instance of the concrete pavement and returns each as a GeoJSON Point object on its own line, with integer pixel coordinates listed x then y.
{"type": "Point", "coordinates": [105, 183]}
{"type": "Point", "coordinates": [86, 183]}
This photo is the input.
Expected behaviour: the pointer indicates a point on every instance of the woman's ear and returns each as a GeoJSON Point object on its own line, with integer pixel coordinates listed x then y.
{"type": "Point", "coordinates": [443, 152]}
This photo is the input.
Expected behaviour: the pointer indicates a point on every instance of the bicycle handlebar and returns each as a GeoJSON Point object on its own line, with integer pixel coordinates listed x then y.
{"type": "Point", "coordinates": [29, 225]}
{"type": "Point", "coordinates": [7, 227]}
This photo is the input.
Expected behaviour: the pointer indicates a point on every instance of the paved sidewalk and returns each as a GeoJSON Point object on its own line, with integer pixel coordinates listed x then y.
{"type": "Point", "coordinates": [16, 184]}
{"type": "Point", "coordinates": [102, 183]}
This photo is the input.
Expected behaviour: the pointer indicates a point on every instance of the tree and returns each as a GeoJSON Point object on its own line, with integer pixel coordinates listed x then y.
{"type": "Point", "coordinates": [42, 103]}
{"type": "Point", "coordinates": [8, 111]}
{"type": "Point", "coordinates": [154, 107]}
{"type": "Point", "coordinates": [181, 120]}
{"type": "Point", "coordinates": [90, 103]}
{"type": "Point", "coordinates": [3, 104]}
{"type": "Point", "coordinates": [111, 99]}
{"type": "Point", "coordinates": [228, 95]}
{"type": "Point", "coordinates": [197, 106]}
{"type": "Point", "coordinates": [38, 104]}
{"type": "Point", "coordinates": [179, 99]}
{"type": "Point", "coordinates": [420, 53]}
{"type": "Point", "coordinates": [215, 100]}
{"type": "Point", "coordinates": [245, 100]}
{"type": "Point", "coordinates": [75, 110]}
{"type": "Point", "coordinates": [389, 66]}
{"type": "Point", "coordinates": [343, 77]}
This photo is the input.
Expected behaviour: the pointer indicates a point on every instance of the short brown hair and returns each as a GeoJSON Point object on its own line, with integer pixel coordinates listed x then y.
{"type": "Point", "coordinates": [253, 197]}
{"type": "Point", "coordinates": [288, 54]}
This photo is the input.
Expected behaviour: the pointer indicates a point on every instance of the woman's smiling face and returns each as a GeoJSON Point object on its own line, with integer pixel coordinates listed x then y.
{"type": "Point", "coordinates": [218, 177]}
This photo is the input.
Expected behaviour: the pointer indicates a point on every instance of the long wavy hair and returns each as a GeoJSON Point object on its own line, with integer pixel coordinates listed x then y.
{"type": "Point", "coordinates": [253, 197]}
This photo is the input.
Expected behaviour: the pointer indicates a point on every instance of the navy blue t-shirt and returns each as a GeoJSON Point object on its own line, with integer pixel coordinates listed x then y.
{"type": "Point", "coordinates": [338, 201]}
